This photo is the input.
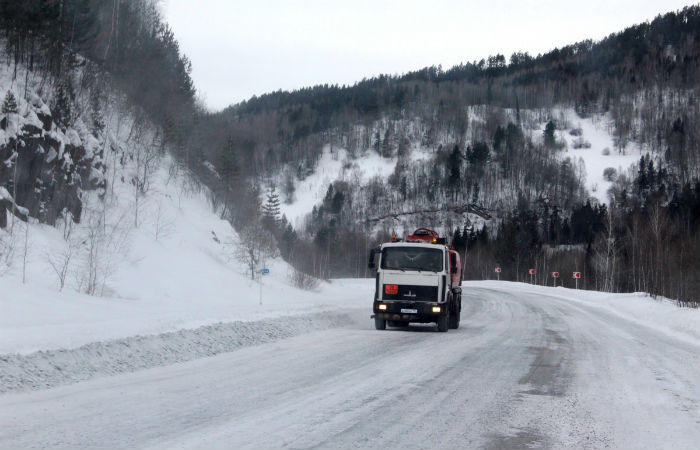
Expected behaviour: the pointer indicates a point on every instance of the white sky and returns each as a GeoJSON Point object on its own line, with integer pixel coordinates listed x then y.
{"type": "Point", "coordinates": [243, 48]}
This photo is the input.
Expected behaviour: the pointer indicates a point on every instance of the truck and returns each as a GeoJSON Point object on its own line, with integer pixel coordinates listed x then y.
{"type": "Point", "coordinates": [418, 280]}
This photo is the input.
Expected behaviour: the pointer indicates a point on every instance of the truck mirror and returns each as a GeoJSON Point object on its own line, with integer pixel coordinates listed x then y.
{"type": "Point", "coordinates": [453, 262]}
{"type": "Point", "coordinates": [371, 264]}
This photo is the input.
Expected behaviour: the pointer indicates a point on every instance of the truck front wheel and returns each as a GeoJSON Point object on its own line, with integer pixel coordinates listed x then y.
{"type": "Point", "coordinates": [379, 324]}
{"type": "Point", "coordinates": [454, 320]}
{"type": "Point", "coordinates": [443, 322]}
{"type": "Point", "coordinates": [456, 313]}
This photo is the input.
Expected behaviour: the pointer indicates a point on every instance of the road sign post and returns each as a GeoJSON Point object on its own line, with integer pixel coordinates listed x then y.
{"type": "Point", "coordinates": [498, 273]}
{"type": "Point", "coordinates": [555, 275]}
{"type": "Point", "coordinates": [264, 271]}
{"type": "Point", "coordinates": [577, 275]}
{"type": "Point", "coordinates": [532, 274]}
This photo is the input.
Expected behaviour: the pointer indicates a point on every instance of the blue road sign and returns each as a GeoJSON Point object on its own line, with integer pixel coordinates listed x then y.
{"type": "Point", "coordinates": [266, 271]}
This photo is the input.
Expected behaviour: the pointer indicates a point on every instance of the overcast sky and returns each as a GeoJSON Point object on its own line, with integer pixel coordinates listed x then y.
{"type": "Point", "coordinates": [243, 48]}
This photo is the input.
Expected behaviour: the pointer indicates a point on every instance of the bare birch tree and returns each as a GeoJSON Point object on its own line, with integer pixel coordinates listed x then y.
{"type": "Point", "coordinates": [254, 246]}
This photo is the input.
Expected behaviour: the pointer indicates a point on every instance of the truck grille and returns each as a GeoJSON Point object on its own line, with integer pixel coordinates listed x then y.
{"type": "Point", "coordinates": [412, 293]}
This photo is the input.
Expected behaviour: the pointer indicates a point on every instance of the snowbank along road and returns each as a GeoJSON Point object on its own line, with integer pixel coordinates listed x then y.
{"type": "Point", "coordinates": [524, 370]}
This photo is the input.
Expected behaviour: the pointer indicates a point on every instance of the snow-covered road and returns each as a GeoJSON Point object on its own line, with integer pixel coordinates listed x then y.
{"type": "Point", "coordinates": [525, 369]}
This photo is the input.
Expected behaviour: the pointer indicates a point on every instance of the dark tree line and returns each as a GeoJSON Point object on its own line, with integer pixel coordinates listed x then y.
{"type": "Point", "coordinates": [648, 240]}
{"type": "Point", "coordinates": [46, 35]}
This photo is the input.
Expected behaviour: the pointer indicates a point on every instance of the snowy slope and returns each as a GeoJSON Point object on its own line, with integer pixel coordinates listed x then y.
{"type": "Point", "coordinates": [185, 278]}
{"type": "Point", "coordinates": [602, 152]}
{"type": "Point", "coordinates": [149, 246]}
{"type": "Point", "coordinates": [333, 166]}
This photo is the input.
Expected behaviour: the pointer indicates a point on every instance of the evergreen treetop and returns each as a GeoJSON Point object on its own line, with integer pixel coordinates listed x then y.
{"type": "Point", "coordinates": [271, 208]}
{"type": "Point", "coordinates": [9, 105]}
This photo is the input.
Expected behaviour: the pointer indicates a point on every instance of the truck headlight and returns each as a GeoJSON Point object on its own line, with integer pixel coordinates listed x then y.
{"type": "Point", "coordinates": [381, 307]}
{"type": "Point", "coordinates": [436, 309]}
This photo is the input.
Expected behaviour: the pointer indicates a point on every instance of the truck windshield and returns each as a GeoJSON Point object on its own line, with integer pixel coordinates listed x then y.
{"type": "Point", "coordinates": [412, 258]}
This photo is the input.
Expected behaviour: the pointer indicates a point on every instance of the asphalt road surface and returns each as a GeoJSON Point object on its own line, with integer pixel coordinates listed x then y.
{"type": "Point", "coordinates": [522, 371]}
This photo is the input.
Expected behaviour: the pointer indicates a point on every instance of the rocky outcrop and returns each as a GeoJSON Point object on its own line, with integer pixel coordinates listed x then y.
{"type": "Point", "coordinates": [46, 169]}
{"type": "Point", "coordinates": [6, 204]}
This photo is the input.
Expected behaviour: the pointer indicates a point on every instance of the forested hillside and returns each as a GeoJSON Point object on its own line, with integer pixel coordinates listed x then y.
{"type": "Point", "coordinates": [489, 136]}
{"type": "Point", "coordinates": [642, 75]}
{"type": "Point", "coordinates": [482, 151]}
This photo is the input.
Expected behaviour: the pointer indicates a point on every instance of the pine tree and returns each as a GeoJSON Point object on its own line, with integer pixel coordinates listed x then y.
{"type": "Point", "coordinates": [549, 141]}
{"type": "Point", "coordinates": [387, 143]}
{"type": "Point", "coordinates": [455, 168]}
{"type": "Point", "coordinates": [9, 105]}
{"type": "Point", "coordinates": [98, 123]}
{"type": "Point", "coordinates": [271, 208]}
{"type": "Point", "coordinates": [62, 108]}
{"type": "Point", "coordinates": [288, 238]}
{"type": "Point", "coordinates": [479, 154]}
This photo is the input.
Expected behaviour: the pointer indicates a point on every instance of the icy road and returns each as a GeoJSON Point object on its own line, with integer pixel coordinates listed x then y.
{"type": "Point", "coordinates": [524, 370]}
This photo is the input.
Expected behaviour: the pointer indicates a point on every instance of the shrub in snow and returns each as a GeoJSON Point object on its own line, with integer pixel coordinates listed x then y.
{"type": "Point", "coordinates": [610, 174]}
{"type": "Point", "coordinates": [581, 143]}
{"type": "Point", "coordinates": [576, 132]}
{"type": "Point", "coordinates": [7, 246]}
{"type": "Point", "coordinates": [606, 151]}
{"type": "Point", "coordinates": [303, 280]}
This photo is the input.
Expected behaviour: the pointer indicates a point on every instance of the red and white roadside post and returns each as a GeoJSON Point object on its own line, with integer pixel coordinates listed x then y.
{"type": "Point", "coordinates": [555, 275]}
{"type": "Point", "coordinates": [498, 273]}
{"type": "Point", "coordinates": [532, 274]}
{"type": "Point", "coordinates": [577, 275]}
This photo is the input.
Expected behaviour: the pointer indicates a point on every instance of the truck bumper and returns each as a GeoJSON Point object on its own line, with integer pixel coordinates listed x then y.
{"type": "Point", "coordinates": [396, 311]}
{"type": "Point", "coordinates": [420, 318]}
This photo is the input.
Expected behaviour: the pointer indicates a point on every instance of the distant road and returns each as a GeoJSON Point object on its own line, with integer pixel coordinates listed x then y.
{"type": "Point", "coordinates": [524, 370]}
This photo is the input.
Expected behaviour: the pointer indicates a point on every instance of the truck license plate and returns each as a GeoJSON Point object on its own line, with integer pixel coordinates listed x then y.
{"type": "Point", "coordinates": [409, 311]}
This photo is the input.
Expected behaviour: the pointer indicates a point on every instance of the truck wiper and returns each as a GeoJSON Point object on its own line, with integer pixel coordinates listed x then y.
{"type": "Point", "coordinates": [427, 269]}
